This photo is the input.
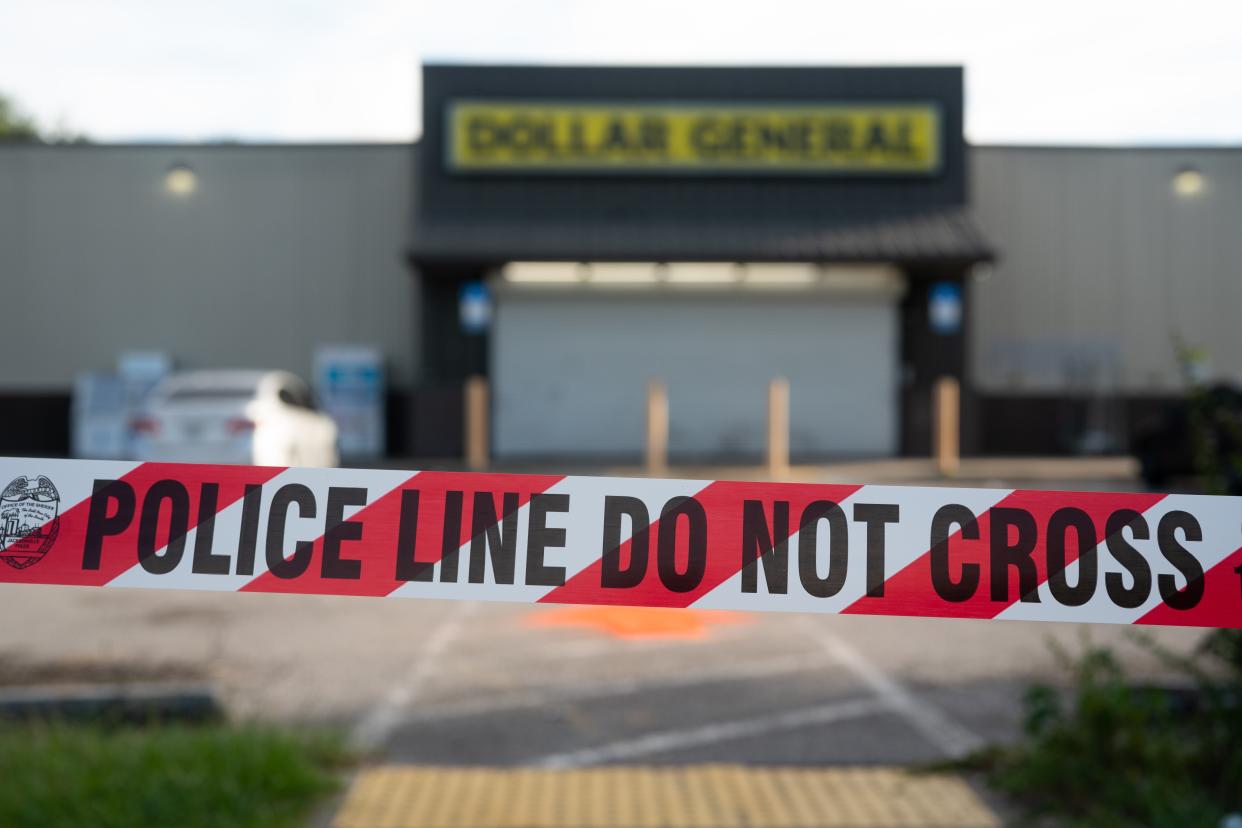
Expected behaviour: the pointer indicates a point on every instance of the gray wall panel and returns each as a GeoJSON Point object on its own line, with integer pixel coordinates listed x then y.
{"type": "Point", "coordinates": [280, 249]}
{"type": "Point", "coordinates": [1102, 266]}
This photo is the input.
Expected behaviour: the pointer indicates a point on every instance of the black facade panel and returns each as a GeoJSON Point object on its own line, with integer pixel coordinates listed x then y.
{"type": "Point", "coordinates": [35, 423]}
{"type": "Point", "coordinates": [784, 200]}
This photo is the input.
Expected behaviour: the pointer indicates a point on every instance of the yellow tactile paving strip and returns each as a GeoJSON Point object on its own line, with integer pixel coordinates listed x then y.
{"type": "Point", "coordinates": [695, 796]}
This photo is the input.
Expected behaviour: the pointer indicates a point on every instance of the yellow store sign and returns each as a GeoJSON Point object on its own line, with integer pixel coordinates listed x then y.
{"type": "Point", "coordinates": [517, 137]}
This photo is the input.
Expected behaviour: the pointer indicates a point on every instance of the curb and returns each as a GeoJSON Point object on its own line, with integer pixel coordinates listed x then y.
{"type": "Point", "coordinates": [128, 703]}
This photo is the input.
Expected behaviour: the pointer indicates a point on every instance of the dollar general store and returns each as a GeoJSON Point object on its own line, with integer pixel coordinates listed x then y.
{"type": "Point", "coordinates": [574, 232]}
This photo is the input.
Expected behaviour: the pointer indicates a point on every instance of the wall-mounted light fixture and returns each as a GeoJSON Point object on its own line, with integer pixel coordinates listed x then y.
{"type": "Point", "coordinates": [180, 180]}
{"type": "Point", "coordinates": [1188, 182]}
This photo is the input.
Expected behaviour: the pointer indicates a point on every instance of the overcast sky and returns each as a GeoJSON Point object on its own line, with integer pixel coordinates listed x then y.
{"type": "Point", "coordinates": [1036, 72]}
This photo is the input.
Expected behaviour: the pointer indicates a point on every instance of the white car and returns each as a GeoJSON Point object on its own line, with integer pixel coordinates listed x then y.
{"type": "Point", "coordinates": [264, 418]}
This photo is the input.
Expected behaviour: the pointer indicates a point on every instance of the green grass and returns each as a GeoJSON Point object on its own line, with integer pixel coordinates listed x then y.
{"type": "Point", "coordinates": [55, 774]}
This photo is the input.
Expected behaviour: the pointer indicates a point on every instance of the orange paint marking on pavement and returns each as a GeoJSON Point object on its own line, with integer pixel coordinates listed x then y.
{"type": "Point", "coordinates": [638, 622]}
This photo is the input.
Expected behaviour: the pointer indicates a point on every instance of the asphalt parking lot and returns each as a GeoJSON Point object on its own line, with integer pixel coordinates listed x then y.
{"type": "Point", "coordinates": [471, 683]}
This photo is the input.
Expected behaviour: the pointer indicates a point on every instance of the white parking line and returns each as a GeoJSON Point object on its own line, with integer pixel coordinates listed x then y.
{"type": "Point", "coordinates": [668, 740]}
{"type": "Point", "coordinates": [951, 738]}
{"type": "Point", "coordinates": [373, 731]}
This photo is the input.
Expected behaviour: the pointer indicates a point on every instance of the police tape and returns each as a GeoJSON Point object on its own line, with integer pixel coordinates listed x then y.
{"type": "Point", "coordinates": [1120, 558]}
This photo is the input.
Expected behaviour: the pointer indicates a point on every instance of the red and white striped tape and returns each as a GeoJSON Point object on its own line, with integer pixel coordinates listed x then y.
{"type": "Point", "coordinates": [884, 550]}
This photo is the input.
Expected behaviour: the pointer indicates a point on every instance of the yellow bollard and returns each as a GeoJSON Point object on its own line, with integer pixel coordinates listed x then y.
{"type": "Point", "coordinates": [657, 428]}
{"type": "Point", "coordinates": [778, 428]}
{"type": "Point", "coordinates": [476, 426]}
{"type": "Point", "coordinates": [946, 416]}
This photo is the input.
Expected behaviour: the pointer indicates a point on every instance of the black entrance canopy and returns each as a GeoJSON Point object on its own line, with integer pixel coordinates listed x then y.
{"type": "Point", "coordinates": [947, 238]}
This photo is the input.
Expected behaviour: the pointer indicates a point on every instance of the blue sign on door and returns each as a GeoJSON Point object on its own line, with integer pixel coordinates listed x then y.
{"type": "Point", "coordinates": [474, 307]}
{"type": "Point", "coordinates": [944, 307]}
